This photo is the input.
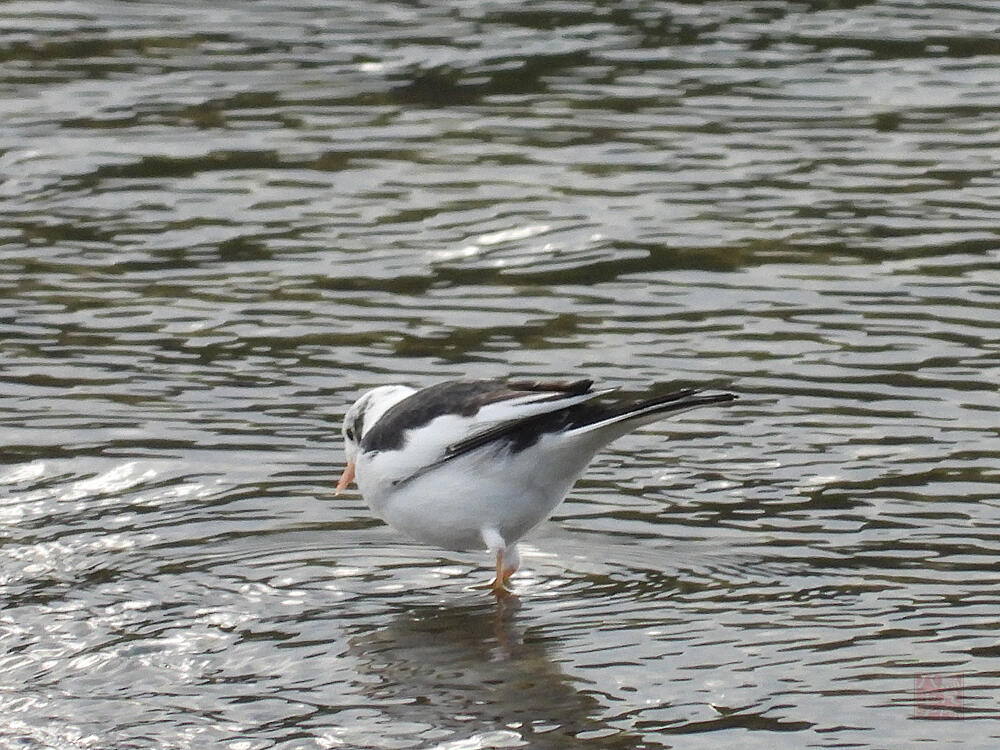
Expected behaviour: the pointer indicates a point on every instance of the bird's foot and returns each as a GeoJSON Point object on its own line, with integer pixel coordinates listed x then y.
{"type": "Point", "coordinates": [500, 585]}
{"type": "Point", "coordinates": [508, 560]}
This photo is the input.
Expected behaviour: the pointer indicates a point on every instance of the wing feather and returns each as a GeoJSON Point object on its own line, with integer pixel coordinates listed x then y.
{"type": "Point", "coordinates": [471, 414]}
{"type": "Point", "coordinates": [484, 402]}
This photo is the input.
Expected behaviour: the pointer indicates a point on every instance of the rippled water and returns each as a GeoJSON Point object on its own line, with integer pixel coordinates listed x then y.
{"type": "Point", "coordinates": [219, 223]}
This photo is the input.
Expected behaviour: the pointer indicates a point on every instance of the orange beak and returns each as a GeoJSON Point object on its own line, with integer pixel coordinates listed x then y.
{"type": "Point", "coordinates": [346, 478]}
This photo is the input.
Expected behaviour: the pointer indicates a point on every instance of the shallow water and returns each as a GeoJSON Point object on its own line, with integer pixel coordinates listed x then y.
{"type": "Point", "coordinates": [220, 223]}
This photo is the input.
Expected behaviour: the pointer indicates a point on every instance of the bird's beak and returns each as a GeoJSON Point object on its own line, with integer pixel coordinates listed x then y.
{"type": "Point", "coordinates": [346, 478]}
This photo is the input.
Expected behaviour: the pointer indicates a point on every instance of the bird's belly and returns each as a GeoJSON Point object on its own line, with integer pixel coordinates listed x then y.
{"type": "Point", "coordinates": [451, 509]}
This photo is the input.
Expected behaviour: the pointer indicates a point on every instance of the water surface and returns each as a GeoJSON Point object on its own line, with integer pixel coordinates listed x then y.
{"type": "Point", "coordinates": [222, 222]}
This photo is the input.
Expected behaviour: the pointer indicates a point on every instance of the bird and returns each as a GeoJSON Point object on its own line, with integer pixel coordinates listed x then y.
{"type": "Point", "coordinates": [478, 463]}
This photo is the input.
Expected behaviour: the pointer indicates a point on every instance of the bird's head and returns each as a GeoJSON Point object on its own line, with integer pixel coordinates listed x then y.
{"type": "Point", "coordinates": [364, 413]}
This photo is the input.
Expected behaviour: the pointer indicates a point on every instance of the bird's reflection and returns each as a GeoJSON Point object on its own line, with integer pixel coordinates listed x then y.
{"type": "Point", "coordinates": [477, 669]}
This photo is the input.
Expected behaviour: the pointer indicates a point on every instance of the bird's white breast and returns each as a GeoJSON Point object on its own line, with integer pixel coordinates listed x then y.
{"type": "Point", "coordinates": [451, 504]}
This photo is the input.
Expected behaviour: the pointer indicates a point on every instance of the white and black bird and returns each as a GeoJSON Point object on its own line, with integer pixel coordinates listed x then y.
{"type": "Point", "coordinates": [474, 464]}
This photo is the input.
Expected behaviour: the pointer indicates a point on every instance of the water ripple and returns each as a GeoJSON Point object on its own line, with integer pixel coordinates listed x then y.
{"type": "Point", "coordinates": [215, 238]}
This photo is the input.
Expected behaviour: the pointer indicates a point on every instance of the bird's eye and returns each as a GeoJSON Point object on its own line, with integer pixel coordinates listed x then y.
{"type": "Point", "coordinates": [350, 433]}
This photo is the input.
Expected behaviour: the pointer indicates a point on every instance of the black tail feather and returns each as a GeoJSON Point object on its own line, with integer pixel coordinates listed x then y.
{"type": "Point", "coordinates": [683, 399]}
{"type": "Point", "coordinates": [522, 433]}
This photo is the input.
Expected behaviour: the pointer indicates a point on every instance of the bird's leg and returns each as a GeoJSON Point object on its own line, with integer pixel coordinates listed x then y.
{"type": "Point", "coordinates": [507, 560]}
{"type": "Point", "coordinates": [499, 584]}
{"type": "Point", "coordinates": [511, 561]}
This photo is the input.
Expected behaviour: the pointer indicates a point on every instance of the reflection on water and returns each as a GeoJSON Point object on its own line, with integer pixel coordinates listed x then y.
{"type": "Point", "coordinates": [220, 224]}
{"type": "Point", "coordinates": [468, 672]}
